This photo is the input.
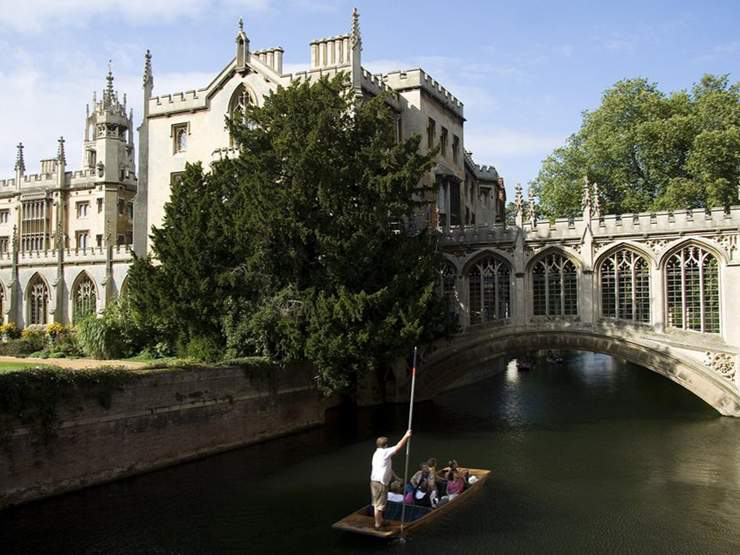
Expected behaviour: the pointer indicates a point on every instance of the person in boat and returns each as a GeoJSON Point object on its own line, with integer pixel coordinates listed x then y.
{"type": "Point", "coordinates": [381, 474]}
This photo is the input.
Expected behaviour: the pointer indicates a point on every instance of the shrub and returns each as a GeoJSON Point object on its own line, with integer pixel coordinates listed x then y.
{"type": "Point", "coordinates": [9, 331]}
{"type": "Point", "coordinates": [115, 334]}
{"type": "Point", "coordinates": [35, 337]}
{"type": "Point", "coordinates": [203, 348]}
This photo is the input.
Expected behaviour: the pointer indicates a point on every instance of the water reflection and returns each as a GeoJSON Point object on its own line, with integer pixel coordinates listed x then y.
{"type": "Point", "coordinates": [589, 456]}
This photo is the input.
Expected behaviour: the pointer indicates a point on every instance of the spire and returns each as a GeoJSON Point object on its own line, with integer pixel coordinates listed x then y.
{"type": "Point", "coordinates": [356, 38]}
{"type": "Point", "coordinates": [109, 78]}
{"type": "Point", "coordinates": [518, 200]}
{"type": "Point", "coordinates": [586, 199]}
{"type": "Point", "coordinates": [242, 48]}
{"type": "Point", "coordinates": [148, 78]}
{"type": "Point", "coordinates": [60, 152]}
{"type": "Point", "coordinates": [597, 201]}
{"type": "Point", "coordinates": [531, 206]}
{"type": "Point", "coordinates": [20, 165]}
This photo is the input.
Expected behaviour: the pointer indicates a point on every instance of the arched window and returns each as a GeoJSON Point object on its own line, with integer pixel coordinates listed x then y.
{"type": "Point", "coordinates": [625, 286]}
{"type": "Point", "coordinates": [555, 286]}
{"type": "Point", "coordinates": [489, 288]}
{"type": "Point", "coordinates": [448, 276]}
{"type": "Point", "coordinates": [38, 300]}
{"type": "Point", "coordinates": [692, 290]}
{"type": "Point", "coordinates": [240, 101]}
{"type": "Point", "coordinates": [84, 298]}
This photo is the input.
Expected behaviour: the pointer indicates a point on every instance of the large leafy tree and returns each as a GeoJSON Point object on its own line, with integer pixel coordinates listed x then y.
{"type": "Point", "coordinates": [298, 248]}
{"type": "Point", "coordinates": [650, 151]}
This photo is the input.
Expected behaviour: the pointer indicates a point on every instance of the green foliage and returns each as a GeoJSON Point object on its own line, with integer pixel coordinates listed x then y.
{"type": "Point", "coordinates": [297, 248]}
{"type": "Point", "coordinates": [32, 396]}
{"type": "Point", "coordinates": [117, 333]}
{"type": "Point", "coordinates": [9, 331]}
{"type": "Point", "coordinates": [650, 151]}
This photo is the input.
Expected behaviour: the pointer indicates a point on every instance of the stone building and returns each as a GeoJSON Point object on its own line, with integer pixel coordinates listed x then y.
{"type": "Point", "coordinates": [65, 235]}
{"type": "Point", "coordinates": [190, 126]}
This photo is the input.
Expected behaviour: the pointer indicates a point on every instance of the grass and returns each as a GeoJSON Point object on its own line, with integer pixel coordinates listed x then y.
{"type": "Point", "coordinates": [13, 366]}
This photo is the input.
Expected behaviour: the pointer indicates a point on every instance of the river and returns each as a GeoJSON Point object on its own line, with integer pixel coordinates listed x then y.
{"type": "Point", "coordinates": [591, 456]}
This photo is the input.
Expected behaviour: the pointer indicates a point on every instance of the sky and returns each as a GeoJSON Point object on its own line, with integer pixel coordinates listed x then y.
{"type": "Point", "coordinates": [525, 70]}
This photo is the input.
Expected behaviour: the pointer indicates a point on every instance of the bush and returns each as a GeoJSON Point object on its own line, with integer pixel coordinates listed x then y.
{"type": "Point", "coordinates": [35, 338]}
{"type": "Point", "coordinates": [9, 331]}
{"type": "Point", "coordinates": [116, 334]}
{"type": "Point", "coordinates": [203, 348]}
{"type": "Point", "coordinates": [17, 347]}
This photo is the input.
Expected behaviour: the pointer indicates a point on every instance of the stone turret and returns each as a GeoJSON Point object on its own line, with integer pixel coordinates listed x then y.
{"type": "Point", "coordinates": [142, 189]}
{"type": "Point", "coordinates": [242, 48]}
{"type": "Point", "coordinates": [20, 165]}
{"type": "Point", "coordinates": [519, 203]}
{"type": "Point", "coordinates": [108, 150]}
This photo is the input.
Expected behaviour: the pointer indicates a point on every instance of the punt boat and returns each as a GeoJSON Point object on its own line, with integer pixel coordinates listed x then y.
{"type": "Point", "coordinates": [362, 521]}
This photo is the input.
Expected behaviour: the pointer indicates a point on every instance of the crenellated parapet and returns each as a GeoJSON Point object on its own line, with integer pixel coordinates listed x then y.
{"type": "Point", "coordinates": [418, 78]}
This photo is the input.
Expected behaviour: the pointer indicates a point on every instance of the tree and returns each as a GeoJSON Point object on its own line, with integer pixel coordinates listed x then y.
{"type": "Point", "coordinates": [298, 247]}
{"type": "Point", "coordinates": [650, 151]}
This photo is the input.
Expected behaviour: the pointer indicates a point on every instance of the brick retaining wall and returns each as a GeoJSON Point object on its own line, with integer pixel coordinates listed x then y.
{"type": "Point", "coordinates": [160, 419]}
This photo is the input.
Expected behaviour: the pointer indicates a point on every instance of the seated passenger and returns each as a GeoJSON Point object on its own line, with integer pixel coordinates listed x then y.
{"type": "Point", "coordinates": [422, 475]}
{"type": "Point", "coordinates": [455, 484]}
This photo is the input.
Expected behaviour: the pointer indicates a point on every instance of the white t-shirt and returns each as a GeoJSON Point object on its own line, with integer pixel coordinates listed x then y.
{"type": "Point", "coordinates": [382, 470]}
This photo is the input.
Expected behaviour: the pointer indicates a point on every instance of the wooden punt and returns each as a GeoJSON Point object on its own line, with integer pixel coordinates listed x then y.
{"type": "Point", "coordinates": [362, 522]}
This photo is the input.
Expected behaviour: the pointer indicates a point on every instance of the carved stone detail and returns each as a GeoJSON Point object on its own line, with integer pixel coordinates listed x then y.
{"type": "Point", "coordinates": [723, 363]}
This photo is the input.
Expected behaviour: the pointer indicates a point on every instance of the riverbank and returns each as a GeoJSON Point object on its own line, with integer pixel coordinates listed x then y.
{"type": "Point", "coordinates": [129, 422]}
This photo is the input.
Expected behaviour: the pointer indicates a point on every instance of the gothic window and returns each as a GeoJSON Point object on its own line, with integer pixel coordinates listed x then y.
{"type": "Point", "coordinates": [555, 286]}
{"type": "Point", "coordinates": [180, 137]}
{"type": "Point", "coordinates": [448, 277]}
{"type": "Point", "coordinates": [692, 290]}
{"type": "Point", "coordinates": [625, 287]}
{"type": "Point", "coordinates": [34, 225]}
{"type": "Point", "coordinates": [240, 101]}
{"type": "Point", "coordinates": [443, 142]}
{"type": "Point", "coordinates": [489, 288]}
{"type": "Point", "coordinates": [4, 216]}
{"type": "Point", "coordinates": [4, 244]}
{"type": "Point", "coordinates": [455, 148]}
{"type": "Point", "coordinates": [38, 300]}
{"type": "Point", "coordinates": [82, 209]}
{"type": "Point", "coordinates": [84, 298]}
{"type": "Point", "coordinates": [82, 239]}
{"type": "Point", "coordinates": [431, 133]}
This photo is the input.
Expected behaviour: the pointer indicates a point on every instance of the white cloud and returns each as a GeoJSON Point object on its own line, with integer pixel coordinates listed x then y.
{"type": "Point", "coordinates": [37, 15]}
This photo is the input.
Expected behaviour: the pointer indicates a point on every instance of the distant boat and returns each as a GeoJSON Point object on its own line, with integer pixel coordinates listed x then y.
{"type": "Point", "coordinates": [417, 517]}
{"type": "Point", "coordinates": [523, 364]}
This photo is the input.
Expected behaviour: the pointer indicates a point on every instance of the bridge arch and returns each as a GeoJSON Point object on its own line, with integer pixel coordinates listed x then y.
{"type": "Point", "coordinates": [449, 364]}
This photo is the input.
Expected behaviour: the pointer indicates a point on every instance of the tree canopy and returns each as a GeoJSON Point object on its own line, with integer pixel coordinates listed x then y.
{"type": "Point", "coordinates": [298, 248]}
{"type": "Point", "coordinates": [649, 150]}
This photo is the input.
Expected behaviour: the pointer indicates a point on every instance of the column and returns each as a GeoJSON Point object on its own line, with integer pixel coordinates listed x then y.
{"type": "Point", "coordinates": [448, 211]}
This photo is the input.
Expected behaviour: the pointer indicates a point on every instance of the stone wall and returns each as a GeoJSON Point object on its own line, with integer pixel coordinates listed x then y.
{"type": "Point", "coordinates": [160, 419]}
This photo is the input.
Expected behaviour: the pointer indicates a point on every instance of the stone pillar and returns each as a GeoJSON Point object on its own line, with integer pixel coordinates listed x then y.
{"type": "Point", "coordinates": [58, 284]}
{"type": "Point", "coordinates": [448, 205]}
{"type": "Point", "coordinates": [657, 300]}
{"type": "Point", "coordinates": [520, 312]}
{"type": "Point", "coordinates": [15, 294]}
{"type": "Point", "coordinates": [476, 200]}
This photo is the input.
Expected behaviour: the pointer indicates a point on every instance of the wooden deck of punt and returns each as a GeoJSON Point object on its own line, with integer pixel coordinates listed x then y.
{"type": "Point", "coordinates": [361, 521]}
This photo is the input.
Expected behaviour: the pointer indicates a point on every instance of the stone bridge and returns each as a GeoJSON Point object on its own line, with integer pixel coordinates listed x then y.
{"type": "Point", "coordinates": [658, 289]}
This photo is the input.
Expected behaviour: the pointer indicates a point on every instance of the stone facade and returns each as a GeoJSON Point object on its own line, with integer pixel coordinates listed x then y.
{"type": "Point", "coordinates": [190, 126]}
{"type": "Point", "coordinates": [65, 235]}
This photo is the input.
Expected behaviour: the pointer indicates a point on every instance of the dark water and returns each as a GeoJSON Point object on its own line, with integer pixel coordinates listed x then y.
{"type": "Point", "coordinates": [593, 456]}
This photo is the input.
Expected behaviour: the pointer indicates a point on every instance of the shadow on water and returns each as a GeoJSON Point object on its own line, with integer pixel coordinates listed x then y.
{"type": "Point", "coordinates": [590, 456]}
